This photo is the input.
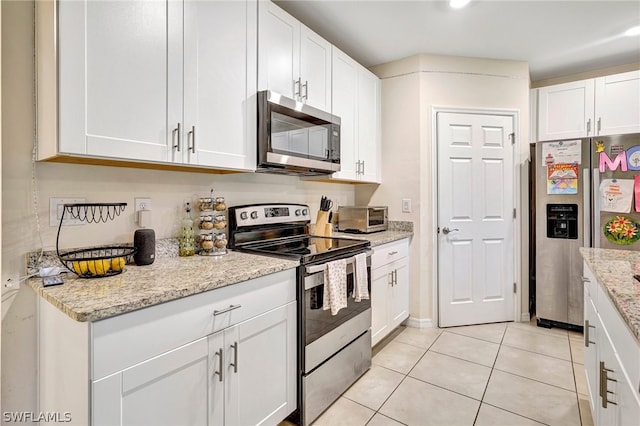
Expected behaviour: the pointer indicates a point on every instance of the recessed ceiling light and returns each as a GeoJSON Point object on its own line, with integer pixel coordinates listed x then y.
{"type": "Point", "coordinates": [458, 4]}
{"type": "Point", "coordinates": [633, 31]}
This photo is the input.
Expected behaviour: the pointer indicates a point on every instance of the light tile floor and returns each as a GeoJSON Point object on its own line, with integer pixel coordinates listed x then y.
{"type": "Point", "coordinates": [493, 374]}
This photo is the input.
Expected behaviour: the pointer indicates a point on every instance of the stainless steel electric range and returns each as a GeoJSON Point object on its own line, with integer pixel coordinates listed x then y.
{"type": "Point", "coordinates": [333, 350]}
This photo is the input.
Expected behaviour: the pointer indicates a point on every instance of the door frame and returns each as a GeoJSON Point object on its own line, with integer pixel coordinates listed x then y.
{"type": "Point", "coordinates": [517, 223]}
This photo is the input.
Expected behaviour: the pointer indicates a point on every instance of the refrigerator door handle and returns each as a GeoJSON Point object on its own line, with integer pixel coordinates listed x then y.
{"type": "Point", "coordinates": [586, 211]}
{"type": "Point", "coordinates": [595, 209]}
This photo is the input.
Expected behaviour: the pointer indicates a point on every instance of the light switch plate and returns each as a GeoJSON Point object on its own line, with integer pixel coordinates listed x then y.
{"type": "Point", "coordinates": [406, 205]}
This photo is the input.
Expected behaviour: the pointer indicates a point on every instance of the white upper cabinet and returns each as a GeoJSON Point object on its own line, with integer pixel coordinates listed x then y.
{"type": "Point", "coordinates": [596, 107]}
{"type": "Point", "coordinates": [345, 103]}
{"type": "Point", "coordinates": [118, 69]}
{"type": "Point", "coordinates": [292, 60]}
{"type": "Point", "coordinates": [356, 100]}
{"type": "Point", "coordinates": [220, 83]}
{"type": "Point", "coordinates": [617, 108]}
{"type": "Point", "coordinates": [565, 110]}
{"type": "Point", "coordinates": [369, 147]}
{"type": "Point", "coordinates": [149, 81]}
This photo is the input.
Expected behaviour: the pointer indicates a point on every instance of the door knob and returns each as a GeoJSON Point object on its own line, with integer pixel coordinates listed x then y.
{"type": "Point", "coordinates": [446, 230]}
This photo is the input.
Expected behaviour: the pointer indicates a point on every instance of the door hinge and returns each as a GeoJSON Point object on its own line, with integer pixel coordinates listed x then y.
{"type": "Point", "coordinates": [514, 288]}
{"type": "Point", "coordinates": [513, 138]}
{"type": "Point", "coordinates": [514, 213]}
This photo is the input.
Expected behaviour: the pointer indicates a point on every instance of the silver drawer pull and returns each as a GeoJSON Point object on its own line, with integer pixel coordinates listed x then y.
{"type": "Point", "coordinates": [225, 310]}
{"type": "Point", "coordinates": [391, 253]}
{"type": "Point", "coordinates": [586, 280]}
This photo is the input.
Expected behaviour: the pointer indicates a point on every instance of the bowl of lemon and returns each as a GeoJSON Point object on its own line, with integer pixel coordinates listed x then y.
{"type": "Point", "coordinates": [97, 262]}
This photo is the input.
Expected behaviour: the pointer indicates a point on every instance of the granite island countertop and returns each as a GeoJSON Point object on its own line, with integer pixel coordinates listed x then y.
{"type": "Point", "coordinates": [168, 278]}
{"type": "Point", "coordinates": [614, 270]}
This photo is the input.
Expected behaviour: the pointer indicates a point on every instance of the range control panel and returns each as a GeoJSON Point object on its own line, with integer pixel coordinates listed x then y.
{"type": "Point", "coordinates": [268, 214]}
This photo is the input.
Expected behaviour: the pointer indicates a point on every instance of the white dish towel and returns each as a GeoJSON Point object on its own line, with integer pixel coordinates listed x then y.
{"type": "Point", "coordinates": [335, 286]}
{"type": "Point", "coordinates": [360, 284]}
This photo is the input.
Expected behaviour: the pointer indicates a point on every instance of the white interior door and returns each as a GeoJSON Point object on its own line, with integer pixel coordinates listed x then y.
{"type": "Point", "coordinates": [475, 218]}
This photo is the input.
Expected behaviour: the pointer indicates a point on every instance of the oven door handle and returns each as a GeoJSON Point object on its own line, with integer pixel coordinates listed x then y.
{"type": "Point", "coordinates": [309, 270]}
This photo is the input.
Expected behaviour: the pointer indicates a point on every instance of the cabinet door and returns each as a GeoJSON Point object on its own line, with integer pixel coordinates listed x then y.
{"type": "Point", "coordinates": [120, 78]}
{"type": "Point", "coordinates": [169, 389]}
{"type": "Point", "coordinates": [399, 300]}
{"type": "Point", "coordinates": [261, 355]}
{"type": "Point", "coordinates": [344, 105]}
{"type": "Point", "coordinates": [592, 328]}
{"type": "Point", "coordinates": [617, 107]}
{"type": "Point", "coordinates": [315, 69]}
{"type": "Point", "coordinates": [566, 110]}
{"type": "Point", "coordinates": [220, 75]}
{"type": "Point", "coordinates": [380, 292]}
{"type": "Point", "coordinates": [217, 374]}
{"type": "Point", "coordinates": [368, 133]}
{"type": "Point", "coordinates": [278, 51]}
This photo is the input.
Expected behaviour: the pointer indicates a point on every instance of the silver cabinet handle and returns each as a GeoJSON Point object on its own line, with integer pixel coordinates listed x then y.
{"type": "Point", "coordinates": [587, 326]}
{"type": "Point", "coordinates": [225, 310]}
{"type": "Point", "coordinates": [588, 126]}
{"type": "Point", "coordinates": [391, 253]}
{"type": "Point", "coordinates": [599, 124]}
{"type": "Point", "coordinates": [395, 277]}
{"type": "Point", "coordinates": [220, 365]}
{"type": "Point", "coordinates": [446, 230]}
{"type": "Point", "coordinates": [306, 90]}
{"type": "Point", "coordinates": [296, 87]}
{"type": "Point", "coordinates": [390, 278]}
{"type": "Point", "coordinates": [192, 139]}
{"type": "Point", "coordinates": [586, 280]}
{"type": "Point", "coordinates": [176, 146]}
{"type": "Point", "coordinates": [234, 364]}
{"type": "Point", "coordinates": [362, 166]}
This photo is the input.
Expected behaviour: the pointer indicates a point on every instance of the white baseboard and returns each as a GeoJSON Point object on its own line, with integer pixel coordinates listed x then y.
{"type": "Point", "coordinates": [420, 322]}
{"type": "Point", "coordinates": [524, 317]}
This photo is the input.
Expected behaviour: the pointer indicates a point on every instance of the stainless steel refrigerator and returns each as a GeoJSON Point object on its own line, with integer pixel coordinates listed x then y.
{"type": "Point", "coordinates": [584, 196]}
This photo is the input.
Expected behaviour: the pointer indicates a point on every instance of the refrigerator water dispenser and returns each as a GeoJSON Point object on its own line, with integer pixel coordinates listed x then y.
{"type": "Point", "coordinates": [562, 221]}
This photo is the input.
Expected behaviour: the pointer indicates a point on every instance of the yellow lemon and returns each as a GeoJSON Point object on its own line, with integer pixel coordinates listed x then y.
{"type": "Point", "coordinates": [80, 267]}
{"type": "Point", "coordinates": [117, 263]}
{"type": "Point", "coordinates": [76, 267]}
{"type": "Point", "coordinates": [106, 265]}
{"type": "Point", "coordinates": [102, 266]}
{"type": "Point", "coordinates": [91, 264]}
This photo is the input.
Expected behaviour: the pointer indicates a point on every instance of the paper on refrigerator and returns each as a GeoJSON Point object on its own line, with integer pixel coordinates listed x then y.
{"type": "Point", "coordinates": [616, 195]}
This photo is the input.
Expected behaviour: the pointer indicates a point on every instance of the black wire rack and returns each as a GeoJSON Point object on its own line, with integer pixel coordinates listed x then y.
{"type": "Point", "coordinates": [95, 262]}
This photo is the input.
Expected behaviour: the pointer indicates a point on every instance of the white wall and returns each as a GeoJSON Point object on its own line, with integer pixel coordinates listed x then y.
{"type": "Point", "coordinates": [439, 81]}
{"type": "Point", "coordinates": [167, 189]}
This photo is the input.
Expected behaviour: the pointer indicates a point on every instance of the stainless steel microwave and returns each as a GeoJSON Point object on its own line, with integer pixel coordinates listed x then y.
{"type": "Point", "coordinates": [362, 219]}
{"type": "Point", "coordinates": [295, 138]}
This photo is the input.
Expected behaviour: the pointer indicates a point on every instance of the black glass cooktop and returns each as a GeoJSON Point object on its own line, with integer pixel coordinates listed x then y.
{"type": "Point", "coordinates": [306, 248]}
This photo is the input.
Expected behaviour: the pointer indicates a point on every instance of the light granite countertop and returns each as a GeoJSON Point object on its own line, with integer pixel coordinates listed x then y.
{"type": "Point", "coordinates": [164, 280]}
{"type": "Point", "coordinates": [168, 278]}
{"type": "Point", "coordinates": [614, 270]}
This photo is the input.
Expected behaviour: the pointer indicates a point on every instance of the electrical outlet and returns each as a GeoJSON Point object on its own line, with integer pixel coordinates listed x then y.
{"type": "Point", "coordinates": [406, 205]}
{"type": "Point", "coordinates": [56, 205]}
{"type": "Point", "coordinates": [142, 204]}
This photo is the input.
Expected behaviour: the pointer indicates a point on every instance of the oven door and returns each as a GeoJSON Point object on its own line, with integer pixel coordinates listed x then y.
{"type": "Point", "coordinates": [324, 334]}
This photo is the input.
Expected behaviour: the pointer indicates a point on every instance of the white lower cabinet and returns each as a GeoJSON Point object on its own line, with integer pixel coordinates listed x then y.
{"type": "Point", "coordinates": [389, 288]}
{"type": "Point", "coordinates": [165, 390]}
{"type": "Point", "coordinates": [222, 357]}
{"type": "Point", "coordinates": [611, 360]}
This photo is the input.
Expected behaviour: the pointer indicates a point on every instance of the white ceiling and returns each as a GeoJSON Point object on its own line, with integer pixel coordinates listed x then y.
{"type": "Point", "coordinates": [557, 38]}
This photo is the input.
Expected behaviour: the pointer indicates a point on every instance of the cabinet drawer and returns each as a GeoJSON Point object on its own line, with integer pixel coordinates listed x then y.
{"type": "Point", "coordinates": [125, 340]}
{"type": "Point", "coordinates": [388, 253]}
{"type": "Point", "coordinates": [624, 343]}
